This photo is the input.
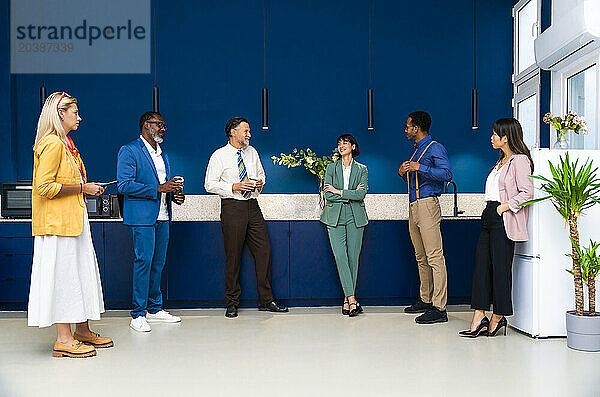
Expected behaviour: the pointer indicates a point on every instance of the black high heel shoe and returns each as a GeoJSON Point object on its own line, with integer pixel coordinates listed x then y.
{"type": "Point", "coordinates": [354, 312]}
{"type": "Point", "coordinates": [481, 329]}
{"type": "Point", "coordinates": [345, 312]}
{"type": "Point", "coordinates": [359, 307]}
{"type": "Point", "coordinates": [501, 324]}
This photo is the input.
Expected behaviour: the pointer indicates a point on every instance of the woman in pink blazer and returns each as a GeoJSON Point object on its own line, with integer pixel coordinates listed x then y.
{"type": "Point", "coordinates": [503, 222]}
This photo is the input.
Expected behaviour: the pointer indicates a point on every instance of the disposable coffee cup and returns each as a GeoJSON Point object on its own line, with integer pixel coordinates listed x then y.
{"type": "Point", "coordinates": [253, 180]}
{"type": "Point", "coordinates": [179, 178]}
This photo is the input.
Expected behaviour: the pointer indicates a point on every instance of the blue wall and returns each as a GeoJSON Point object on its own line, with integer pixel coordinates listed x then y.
{"type": "Point", "coordinates": [210, 64]}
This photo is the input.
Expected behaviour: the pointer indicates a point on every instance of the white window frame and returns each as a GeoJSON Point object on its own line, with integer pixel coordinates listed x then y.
{"type": "Point", "coordinates": [517, 77]}
{"type": "Point", "coordinates": [525, 90]}
{"type": "Point", "coordinates": [560, 88]}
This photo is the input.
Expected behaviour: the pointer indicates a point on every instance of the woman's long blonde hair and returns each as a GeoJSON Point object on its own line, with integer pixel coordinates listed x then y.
{"type": "Point", "coordinates": [49, 121]}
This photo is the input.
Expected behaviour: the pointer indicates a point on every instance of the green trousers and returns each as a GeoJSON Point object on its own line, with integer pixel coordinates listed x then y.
{"type": "Point", "coordinates": [346, 242]}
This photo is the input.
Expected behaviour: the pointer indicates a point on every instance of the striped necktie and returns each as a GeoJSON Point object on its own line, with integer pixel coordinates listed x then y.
{"type": "Point", "coordinates": [243, 173]}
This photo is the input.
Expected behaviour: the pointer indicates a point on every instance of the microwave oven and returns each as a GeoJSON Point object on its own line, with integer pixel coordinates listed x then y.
{"type": "Point", "coordinates": [16, 200]}
{"type": "Point", "coordinates": [103, 206]}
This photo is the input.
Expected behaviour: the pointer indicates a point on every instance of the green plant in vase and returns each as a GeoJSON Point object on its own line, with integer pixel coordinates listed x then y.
{"type": "Point", "coordinates": [311, 161]}
{"type": "Point", "coordinates": [562, 125]}
{"type": "Point", "coordinates": [572, 189]}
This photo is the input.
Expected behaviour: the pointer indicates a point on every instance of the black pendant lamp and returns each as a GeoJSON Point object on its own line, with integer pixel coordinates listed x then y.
{"type": "Point", "coordinates": [43, 95]}
{"type": "Point", "coordinates": [370, 126]}
{"type": "Point", "coordinates": [155, 98]}
{"type": "Point", "coordinates": [265, 91]}
{"type": "Point", "coordinates": [265, 108]}
{"type": "Point", "coordinates": [155, 104]}
{"type": "Point", "coordinates": [474, 93]}
{"type": "Point", "coordinates": [370, 123]}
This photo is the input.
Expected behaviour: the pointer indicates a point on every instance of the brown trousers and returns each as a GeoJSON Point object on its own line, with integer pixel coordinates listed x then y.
{"type": "Point", "coordinates": [243, 222]}
{"type": "Point", "coordinates": [424, 219]}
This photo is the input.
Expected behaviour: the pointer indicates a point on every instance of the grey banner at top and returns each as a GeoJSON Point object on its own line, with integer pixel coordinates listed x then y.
{"type": "Point", "coordinates": [80, 36]}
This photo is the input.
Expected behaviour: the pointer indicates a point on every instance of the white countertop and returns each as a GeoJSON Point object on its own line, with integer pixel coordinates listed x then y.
{"type": "Point", "coordinates": [305, 207]}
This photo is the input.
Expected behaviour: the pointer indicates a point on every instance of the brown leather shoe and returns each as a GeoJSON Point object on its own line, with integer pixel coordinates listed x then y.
{"type": "Point", "coordinates": [95, 340]}
{"type": "Point", "coordinates": [76, 350]}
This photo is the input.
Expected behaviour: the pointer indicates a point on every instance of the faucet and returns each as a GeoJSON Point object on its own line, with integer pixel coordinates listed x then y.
{"type": "Point", "coordinates": [456, 211]}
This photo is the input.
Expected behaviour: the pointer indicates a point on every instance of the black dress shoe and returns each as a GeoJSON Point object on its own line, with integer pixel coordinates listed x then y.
{"type": "Point", "coordinates": [418, 307]}
{"type": "Point", "coordinates": [501, 324]}
{"type": "Point", "coordinates": [481, 329]}
{"type": "Point", "coordinates": [232, 311]}
{"type": "Point", "coordinates": [273, 307]}
{"type": "Point", "coordinates": [433, 315]}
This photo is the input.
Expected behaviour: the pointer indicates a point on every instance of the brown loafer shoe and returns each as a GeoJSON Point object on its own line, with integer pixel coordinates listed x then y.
{"type": "Point", "coordinates": [95, 340]}
{"type": "Point", "coordinates": [76, 350]}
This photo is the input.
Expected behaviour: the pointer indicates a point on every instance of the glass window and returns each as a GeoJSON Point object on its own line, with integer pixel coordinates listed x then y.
{"type": "Point", "coordinates": [527, 116]}
{"type": "Point", "coordinates": [582, 98]}
{"type": "Point", "coordinates": [527, 20]}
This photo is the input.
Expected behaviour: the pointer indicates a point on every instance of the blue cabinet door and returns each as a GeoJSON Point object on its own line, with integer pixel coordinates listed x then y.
{"type": "Point", "coordinates": [313, 275]}
{"type": "Point", "coordinates": [16, 256]}
{"type": "Point", "coordinates": [460, 243]}
{"type": "Point", "coordinates": [196, 262]}
{"type": "Point", "coordinates": [387, 267]}
{"type": "Point", "coordinates": [118, 265]}
{"type": "Point", "coordinates": [196, 265]}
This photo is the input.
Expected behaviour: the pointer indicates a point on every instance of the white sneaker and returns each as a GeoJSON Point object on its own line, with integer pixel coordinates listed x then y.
{"type": "Point", "coordinates": [163, 317]}
{"type": "Point", "coordinates": [140, 324]}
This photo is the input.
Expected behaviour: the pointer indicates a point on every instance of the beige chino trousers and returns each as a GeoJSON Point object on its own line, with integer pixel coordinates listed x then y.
{"type": "Point", "coordinates": [424, 217]}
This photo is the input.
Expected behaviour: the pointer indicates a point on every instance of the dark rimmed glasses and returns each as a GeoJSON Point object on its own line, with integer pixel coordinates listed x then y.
{"type": "Point", "coordinates": [159, 124]}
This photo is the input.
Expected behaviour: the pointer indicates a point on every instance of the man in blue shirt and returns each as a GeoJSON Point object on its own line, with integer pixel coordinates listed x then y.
{"type": "Point", "coordinates": [426, 173]}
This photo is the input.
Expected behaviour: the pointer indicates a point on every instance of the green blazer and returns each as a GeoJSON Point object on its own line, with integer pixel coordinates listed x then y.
{"type": "Point", "coordinates": [334, 175]}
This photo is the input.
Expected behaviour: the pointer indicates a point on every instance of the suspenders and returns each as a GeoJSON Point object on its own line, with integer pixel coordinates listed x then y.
{"type": "Point", "coordinates": [416, 173]}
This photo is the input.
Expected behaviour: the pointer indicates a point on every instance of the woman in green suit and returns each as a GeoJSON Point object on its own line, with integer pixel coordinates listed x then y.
{"type": "Point", "coordinates": [345, 216]}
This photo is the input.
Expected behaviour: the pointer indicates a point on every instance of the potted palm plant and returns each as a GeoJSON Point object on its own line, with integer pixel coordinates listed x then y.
{"type": "Point", "coordinates": [572, 189]}
{"type": "Point", "coordinates": [587, 338]}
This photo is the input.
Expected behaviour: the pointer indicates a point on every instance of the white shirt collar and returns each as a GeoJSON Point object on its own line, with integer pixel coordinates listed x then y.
{"type": "Point", "coordinates": [156, 152]}
{"type": "Point", "coordinates": [234, 149]}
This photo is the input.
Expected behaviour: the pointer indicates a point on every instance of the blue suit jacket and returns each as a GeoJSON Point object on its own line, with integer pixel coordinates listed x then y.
{"type": "Point", "coordinates": [138, 182]}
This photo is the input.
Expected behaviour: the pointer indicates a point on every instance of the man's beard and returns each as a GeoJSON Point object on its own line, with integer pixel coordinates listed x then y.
{"type": "Point", "coordinates": [157, 138]}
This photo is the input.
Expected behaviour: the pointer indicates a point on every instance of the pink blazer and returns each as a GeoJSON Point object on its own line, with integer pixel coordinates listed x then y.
{"type": "Point", "coordinates": [516, 187]}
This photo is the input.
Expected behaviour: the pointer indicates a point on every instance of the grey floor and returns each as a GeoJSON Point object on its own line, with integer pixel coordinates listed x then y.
{"type": "Point", "coordinates": [307, 352]}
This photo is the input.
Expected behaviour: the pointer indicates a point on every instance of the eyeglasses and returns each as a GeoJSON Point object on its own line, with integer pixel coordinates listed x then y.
{"type": "Point", "coordinates": [159, 124]}
{"type": "Point", "coordinates": [64, 94]}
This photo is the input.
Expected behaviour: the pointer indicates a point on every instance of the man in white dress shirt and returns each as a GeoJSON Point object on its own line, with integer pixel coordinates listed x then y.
{"type": "Point", "coordinates": [236, 174]}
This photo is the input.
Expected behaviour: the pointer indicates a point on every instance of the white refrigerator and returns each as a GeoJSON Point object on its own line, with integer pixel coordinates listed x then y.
{"type": "Point", "coordinates": [542, 288]}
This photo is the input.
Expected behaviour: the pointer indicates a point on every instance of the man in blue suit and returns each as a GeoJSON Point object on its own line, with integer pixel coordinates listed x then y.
{"type": "Point", "coordinates": [144, 178]}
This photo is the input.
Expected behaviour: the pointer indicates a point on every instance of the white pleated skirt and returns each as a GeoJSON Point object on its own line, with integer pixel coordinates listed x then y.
{"type": "Point", "coordinates": [65, 280]}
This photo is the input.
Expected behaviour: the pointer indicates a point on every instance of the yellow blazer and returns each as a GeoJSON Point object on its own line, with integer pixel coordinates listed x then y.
{"type": "Point", "coordinates": [54, 166]}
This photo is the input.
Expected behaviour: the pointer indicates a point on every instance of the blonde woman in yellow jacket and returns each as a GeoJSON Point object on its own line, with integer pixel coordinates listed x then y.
{"type": "Point", "coordinates": [65, 281]}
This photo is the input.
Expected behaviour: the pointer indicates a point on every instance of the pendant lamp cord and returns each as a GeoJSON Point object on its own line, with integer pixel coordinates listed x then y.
{"type": "Point", "coordinates": [42, 52]}
{"type": "Point", "coordinates": [155, 42]}
{"type": "Point", "coordinates": [264, 43]}
{"type": "Point", "coordinates": [474, 44]}
{"type": "Point", "coordinates": [370, 44]}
